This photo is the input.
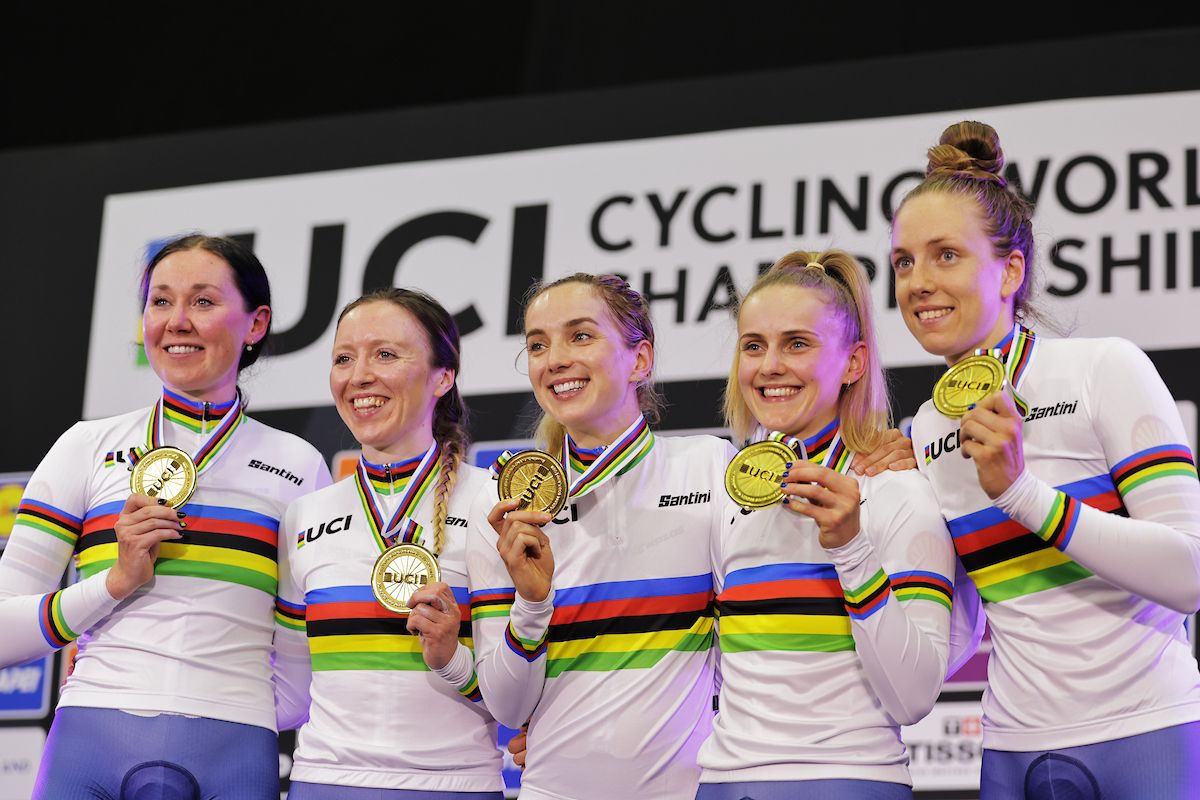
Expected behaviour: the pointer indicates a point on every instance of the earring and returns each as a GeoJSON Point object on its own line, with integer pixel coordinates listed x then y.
{"type": "Point", "coordinates": [249, 347]}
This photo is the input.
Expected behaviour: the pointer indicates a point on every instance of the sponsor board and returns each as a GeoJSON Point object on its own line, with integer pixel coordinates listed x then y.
{"type": "Point", "coordinates": [946, 748]}
{"type": "Point", "coordinates": [20, 755]}
{"type": "Point", "coordinates": [689, 220]}
{"type": "Point", "coordinates": [25, 689]}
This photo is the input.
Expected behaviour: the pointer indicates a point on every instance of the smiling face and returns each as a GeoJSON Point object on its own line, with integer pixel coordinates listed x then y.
{"type": "Point", "coordinates": [195, 325]}
{"type": "Point", "coordinates": [382, 381]}
{"type": "Point", "coordinates": [955, 294]}
{"type": "Point", "coordinates": [582, 372]}
{"type": "Point", "coordinates": [793, 359]}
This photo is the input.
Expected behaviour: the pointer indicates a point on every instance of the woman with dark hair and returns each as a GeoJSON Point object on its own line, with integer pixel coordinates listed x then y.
{"type": "Point", "coordinates": [395, 705]}
{"type": "Point", "coordinates": [171, 690]}
{"type": "Point", "coordinates": [1078, 513]}
{"type": "Point", "coordinates": [599, 624]}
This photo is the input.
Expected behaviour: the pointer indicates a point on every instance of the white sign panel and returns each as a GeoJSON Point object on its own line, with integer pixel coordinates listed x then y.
{"type": "Point", "coordinates": [20, 755]}
{"type": "Point", "coordinates": [946, 748]}
{"type": "Point", "coordinates": [688, 219]}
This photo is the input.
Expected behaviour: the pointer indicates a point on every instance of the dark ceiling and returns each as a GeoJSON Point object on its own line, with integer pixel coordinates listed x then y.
{"type": "Point", "coordinates": [99, 74]}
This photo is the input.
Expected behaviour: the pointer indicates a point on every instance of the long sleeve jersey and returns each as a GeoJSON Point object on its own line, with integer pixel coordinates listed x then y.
{"type": "Point", "coordinates": [196, 639]}
{"type": "Point", "coordinates": [825, 653]}
{"type": "Point", "coordinates": [613, 670]}
{"type": "Point", "coordinates": [1088, 563]}
{"type": "Point", "coordinates": [379, 717]}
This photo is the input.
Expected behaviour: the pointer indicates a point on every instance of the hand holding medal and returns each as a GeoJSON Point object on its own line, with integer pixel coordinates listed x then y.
{"type": "Point", "coordinates": [991, 437]}
{"type": "Point", "coordinates": [524, 547]}
{"type": "Point", "coordinates": [435, 619]}
{"type": "Point", "coordinates": [830, 498]}
{"type": "Point", "coordinates": [141, 526]}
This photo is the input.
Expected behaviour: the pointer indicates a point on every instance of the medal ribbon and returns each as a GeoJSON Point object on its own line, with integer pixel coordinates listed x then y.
{"type": "Point", "coordinates": [617, 459]}
{"type": "Point", "coordinates": [791, 442]}
{"type": "Point", "coordinates": [827, 449]}
{"type": "Point", "coordinates": [403, 528]}
{"type": "Point", "coordinates": [1014, 352]}
{"type": "Point", "coordinates": [212, 448]}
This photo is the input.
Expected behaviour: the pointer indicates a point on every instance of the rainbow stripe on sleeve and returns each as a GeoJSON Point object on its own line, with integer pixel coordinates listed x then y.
{"type": "Point", "coordinates": [289, 615]}
{"type": "Point", "coordinates": [471, 689]}
{"type": "Point", "coordinates": [1007, 561]}
{"type": "Point", "coordinates": [349, 630]}
{"type": "Point", "coordinates": [923, 585]}
{"type": "Point", "coordinates": [604, 627]}
{"type": "Point", "coordinates": [1153, 463]}
{"type": "Point", "coordinates": [873, 595]}
{"type": "Point", "coordinates": [48, 519]}
{"type": "Point", "coordinates": [53, 625]}
{"type": "Point", "coordinates": [528, 649]}
{"type": "Point", "coordinates": [794, 607]}
{"type": "Point", "coordinates": [223, 544]}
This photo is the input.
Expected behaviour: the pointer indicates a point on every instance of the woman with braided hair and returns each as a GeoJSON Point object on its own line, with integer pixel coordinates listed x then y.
{"type": "Point", "coordinates": [1077, 515]}
{"type": "Point", "coordinates": [376, 675]}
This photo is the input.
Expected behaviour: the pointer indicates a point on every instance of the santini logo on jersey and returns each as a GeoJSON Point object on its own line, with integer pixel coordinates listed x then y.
{"type": "Point", "coordinates": [283, 473]}
{"type": "Point", "coordinates": [336, 525]}
{"type": "Point", "coordinates": [684, 499]}
{"type": "Point", "coordinates": [1041, 412]}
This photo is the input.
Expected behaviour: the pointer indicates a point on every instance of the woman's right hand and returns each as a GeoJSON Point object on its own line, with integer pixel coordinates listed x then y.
{"type": "Point", "coordinates": [524, 548]}
{"type": "Point", "coordinates": [143, 523]}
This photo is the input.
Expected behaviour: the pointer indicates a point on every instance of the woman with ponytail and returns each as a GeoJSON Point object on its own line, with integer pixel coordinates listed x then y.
{"type": "Point", "coordinates": [395, 706]}
{"type": "Point", "coordinates": [834, 605]}
{"type": "Point", "coordinates": [1077, 514]}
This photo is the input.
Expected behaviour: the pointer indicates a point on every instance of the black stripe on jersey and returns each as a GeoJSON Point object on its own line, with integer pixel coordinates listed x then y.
{"type": "Point", "coordinates": [369, 625]}
{"type": "Point", "coordinates": [826, 606]}
{"type": "Point", "coordinates": [586, 629]}
{"type": "Point", "coordinates": [1003, 551]}
{"type": "Point", "coordinates": [228, 541]}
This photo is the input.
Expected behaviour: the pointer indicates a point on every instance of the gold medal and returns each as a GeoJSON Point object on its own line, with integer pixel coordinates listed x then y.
{"type": "Point", "coordinates": [753, 477]}
{"type": "Point", "coordinates": [399, 572]}
{"type": "Point", "coordinates": [537, 479]}
{"type": "Point", "coordinates": [165, 473]}
{"type": "Point", "coordinates": [966, 383]}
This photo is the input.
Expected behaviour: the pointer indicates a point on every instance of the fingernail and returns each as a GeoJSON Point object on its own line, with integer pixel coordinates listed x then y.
{"type": "Point", "coordinates": [788, 465]}
{"type": "Point", "coordinates": [785, 473]}
{"type": "Point", "coordinates": [783, 486]}
{"type": "Point", "coordinates": [785, 501]}
{"type": "Point", "coordinates": [183, 524]}
{"type": "Point", "coordinates": [162, 501]}
{"type": "Point", "coordinates": [970, 406]}
{"type": "Point", "coordinates": [180, 514]}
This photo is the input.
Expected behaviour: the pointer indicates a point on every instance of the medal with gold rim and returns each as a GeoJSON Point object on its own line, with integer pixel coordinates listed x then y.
{"type": "Point", "coordinates": [754, 475]}
{"type": "Point", "coordinates": [537, 478]}
{"type": "Point", "coordinates": [966, 383]}
{"type": "Point", "coordinates": [165, 473]}
{"type": "Point", "coordinates": [400, 571]}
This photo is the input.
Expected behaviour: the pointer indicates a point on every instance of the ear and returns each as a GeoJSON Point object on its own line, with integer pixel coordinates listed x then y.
{"type": "Point", "coordinates": [442, 381]}
{"type": "Point", "coordinates": [259, 325]}
{"type": "Point", "coordinates": [643, 362]}
{"type": "Point", "coordinates": [1014, 274]}
{"type": "Point", "coordinates": [856, 364]}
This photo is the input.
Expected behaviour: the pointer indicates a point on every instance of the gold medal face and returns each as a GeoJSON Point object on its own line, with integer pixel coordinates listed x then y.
{"type": "Point", "coordinates": [165, 473]}
{"type": "Point", "coordinates": [753, 476]}
{"type": "Point", "coordinates": [966, 383]}
{"type": "Point", "coordinates": [537, 479]}
{"type": "Point", "coordinates": [399, 572]}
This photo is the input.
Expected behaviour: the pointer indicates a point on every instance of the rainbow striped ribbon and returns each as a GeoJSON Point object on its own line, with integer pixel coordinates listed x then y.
{"type": "Point", "coordinates": [836, 456]}
{"type": "Point", "coordinates": [618, 458]}
{"type": "Point", "coordinates": [796, 445]}
{"type": "Point", "coordinates": [401, 527]}
{"type": "Point", "coordinates": [212, 448]}
{"type": "Point", "coordinates": [1015, 352]}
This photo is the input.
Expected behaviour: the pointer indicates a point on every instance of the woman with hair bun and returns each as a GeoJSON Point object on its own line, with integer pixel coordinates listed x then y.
{"type": "Point", "coordinates": [171, 691]}
{"type": "Point", "coordinates": [395, 705]}
{"type": "Point", "coordinates": [1078, 513]}
{"type": "Point", "coordinates": [834, 606]}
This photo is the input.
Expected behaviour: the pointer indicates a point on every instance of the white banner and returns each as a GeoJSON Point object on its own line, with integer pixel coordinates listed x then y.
{"type": "Point", "coordinates": [945, 749]}
{"type": "Point", "coordinates": [20, 755]}
{"type": "Point", "coordinates": [686, 218]}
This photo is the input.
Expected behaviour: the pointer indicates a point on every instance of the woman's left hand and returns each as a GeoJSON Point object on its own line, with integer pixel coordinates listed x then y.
{"type": "Point", "coordinates": [435, 620]}
{"type": "Point", "coordinates": [833, 501]}
{"type": "Point", "coordinates": [991, 437]}
{"type": "Point", "coordinates": [896, 453]}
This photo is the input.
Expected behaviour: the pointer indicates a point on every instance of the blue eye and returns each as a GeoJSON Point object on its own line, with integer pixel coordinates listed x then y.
{"type": "Point", "coordinates": [535, 347]}
{"type": "Point", "coordinates": [949, 255]}
{"type": "Point", "coordinates": [901, 262]}
{"type": "Point", "coordinates": [581, 336]}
